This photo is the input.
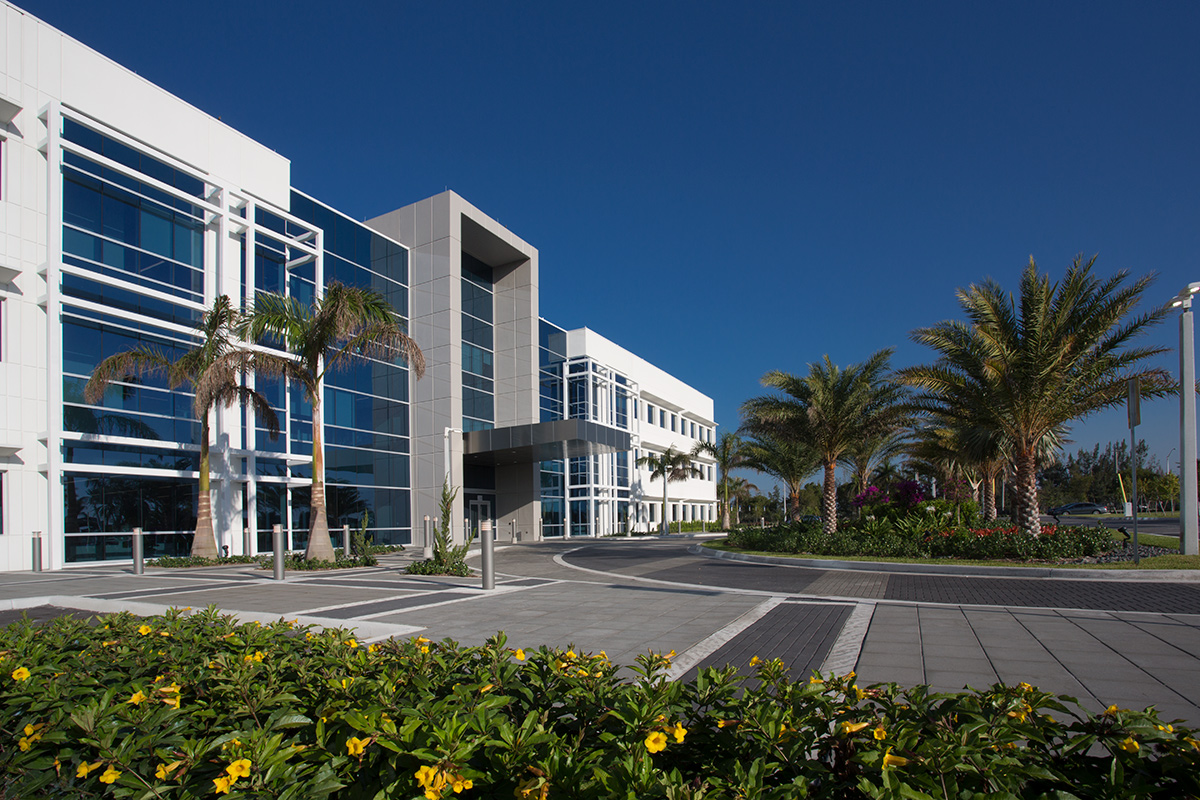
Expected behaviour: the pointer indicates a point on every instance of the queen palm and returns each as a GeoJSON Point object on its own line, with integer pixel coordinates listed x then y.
{"type": "Point", "coordinates": [342, 324]}
{"type": "Point", "coordinates": [1027, 368]}
{"type": "Point", "coordinates": [213, 370]}
{"type": "Point", "coordinates": [671, 466]}
{"type": "Point", "coordinates": [831, 409]}
{"type": "Point", "coordinates": [728, 451]}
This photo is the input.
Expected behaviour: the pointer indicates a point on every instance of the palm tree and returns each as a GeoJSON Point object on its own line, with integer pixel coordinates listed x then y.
{"type": "Point", "coordinates": [772, 450]}
{"type": "Point", "coordinates": [864, 457]}
{"type": "Point", "coordinates": [729, 454]}
{"type": "Point", "coordinates": [671, 465]}
{"type": "Point", "coordinates": [1025, 370]}
{"type": "Point", "coordinates": [740, 489]}
{"type": "Point", "coordinates": [213, 370]}
{"type": "Point", "coordinates": [832, 409]}
{"type": "Point", "coordinates": [342, 324]}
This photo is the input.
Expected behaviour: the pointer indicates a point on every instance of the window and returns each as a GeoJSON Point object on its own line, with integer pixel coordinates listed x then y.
{"type": "Point", "coordinates": [693, 428]}
{"type": "Point", "coordinates": [662, 418]}
{"type": "Point", "coordinates": [672, 423]}
{"type": "Point", "coordinates": [649, 413]}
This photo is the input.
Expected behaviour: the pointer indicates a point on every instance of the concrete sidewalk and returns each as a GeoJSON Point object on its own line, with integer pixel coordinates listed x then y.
{"type": "Point", "coordinates": [630, 597]}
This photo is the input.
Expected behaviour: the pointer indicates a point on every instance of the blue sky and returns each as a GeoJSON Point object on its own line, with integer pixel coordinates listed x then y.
{"type": "Point", "coordinates": [725, 188]}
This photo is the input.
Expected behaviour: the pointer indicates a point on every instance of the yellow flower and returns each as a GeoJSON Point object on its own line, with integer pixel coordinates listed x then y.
{"type": "Point", "coordinates": [351, 643]}
{"type": "Point", "coordinates": [164, 770]}
{"type": "Point", "coordinates": [238, 769]}
{"type": "Point", "coordinates": [136, 698]}
{"type": "Point", "coordinates": [890, 760]}
{"type": "Point", "coordinates": [486, 689]}
{"type": "Point", "coordinates": [858, 693]}
{"type": "Point", "coordinates": [880, 733]}
{"type": "Point", "coordinates": [173, 702]}
{"type": "Point", "coordinates": [1024, 687]}
{"type": "Point", "coordinates": [656, 742]}
{"type": "Point", "coordinates": [30, 730]}
{"type": "Point", "coordinates": [1111, 710]}
{"type": "Point", "coordinates": [1130, 745]}
{"type": "Point", "coordinates": [145, 630]}
{"type": "Point", "coordinates": [346, 682]}
{"type": "Point", "coordinates": [371, 648]}
{"type": "Point", "coordinates": [1193, 742]}
{"type": "Point", "coordinates": [679, 732]}
{"type": "Point", "coordinates": [725, 723]}
{"type": "Point", "coordinates": [26, 742]}
{"type": "Point", "coordinates": [172, 689]}
{"type": "Point", "coordinates": [424, 648]}
{"type": "Point", "coordinates": [110, 775]}
{"type": "Point", "coordinates": [356, 745]}
{"type": "Point", "coordinates": [815, 680]}
{"type": "Point", "coordinates": [755, 661]}
{"type": "Point", "coordinates": [1166, 728]}
{"type": "Point", "coordinates": [853, 727]}
{"type": "Point", "coordinates": [520, 654]}
{"type": "Point", "coordinates": [570, 654]}
{"type": "Point", "coordinates": [222, 784]}
{"type": "Point", "coordinates": [20, 674]}
{"type": "Point", "coordinates": [85, 768]}
{"type": "Point", "coordinates": [459, 784]}
{"type": "Point", "coordinates": [164, 633]}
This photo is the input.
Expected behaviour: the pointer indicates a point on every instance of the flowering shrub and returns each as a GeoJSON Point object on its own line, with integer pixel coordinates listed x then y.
{"type": "Point", "coordinates": [198, 706]}
{"type": "Point", "coordinates": [908, 494]}
{"type": "Point", "coordinates": [873, 496]}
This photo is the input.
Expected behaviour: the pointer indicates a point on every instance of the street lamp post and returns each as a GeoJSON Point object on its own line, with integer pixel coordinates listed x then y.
{"type": "Point", "coordinates": [1188, 544]}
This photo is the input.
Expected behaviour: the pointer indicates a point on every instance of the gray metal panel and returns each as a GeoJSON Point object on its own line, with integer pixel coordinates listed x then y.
{"type": "Point", "coordinates": [544, 441]}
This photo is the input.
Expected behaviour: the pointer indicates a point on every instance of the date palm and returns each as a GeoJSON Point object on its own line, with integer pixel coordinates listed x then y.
{"type": "Point", "coordinates": [832, 409]}
{"type": "Point", "coordinates": [671, 466]}
{"type": "Point", "coordinates": [1025, 368]}
{"type": "Point", "coordinates": [342, 324]}
{"type": "Point", "coordinates": [213, 370]}
{"type": "Point", "coordinates": [775, 451]}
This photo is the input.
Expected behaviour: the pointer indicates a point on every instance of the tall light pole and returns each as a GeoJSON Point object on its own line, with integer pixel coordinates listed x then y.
{"type": "Point", "coordinates": [1188, 544]}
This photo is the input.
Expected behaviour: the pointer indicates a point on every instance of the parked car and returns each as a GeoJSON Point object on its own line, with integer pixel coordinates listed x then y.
{"type": "Point", "coordinates": [1076, 509]}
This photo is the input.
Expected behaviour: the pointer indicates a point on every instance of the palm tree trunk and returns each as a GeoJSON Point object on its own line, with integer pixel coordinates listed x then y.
{"type": "Point", "coordinates": [1026, 490]}
{"type": "Point", "coordinates": [320, 547]}
{"type": "Point", "coordinates": [989, 495]}
{"type": "Point", "coordinates": [829, 499]}
{"type": "Point", "coordinates": [725, 508]}
{"type": "Point", "coordinates": [666, 525]}
{"type": "Point", "coordinates": [204, 541]}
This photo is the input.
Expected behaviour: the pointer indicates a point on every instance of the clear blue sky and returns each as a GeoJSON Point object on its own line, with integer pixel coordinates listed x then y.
{"type": "Point", "coordinates": [726, 188]}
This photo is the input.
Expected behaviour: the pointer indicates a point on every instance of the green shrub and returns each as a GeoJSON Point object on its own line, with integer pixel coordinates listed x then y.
{"type": "Point", "coordinates": [199, 561]}
{"type": "Point", "coordinates": [185, 706]}
{"type": "Point", "coordinates": [911, 539]}
{"type": "Point", "coordinates": [448, 558]}
{"type": "Point", "coordinates": [297, 561]}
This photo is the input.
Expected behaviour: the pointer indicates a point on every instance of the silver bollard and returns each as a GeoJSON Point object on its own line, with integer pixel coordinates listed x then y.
{"type": "Point", "coordinates": [487, 562]}
{"type": "Point", "coordinates": [466, 531]}
{"type": "Point", "coordinates": [427, 541]}
{"type": "Point", "coordinates": [247, 542]}
{"type": "Point", "coordinates": [139, 562]}
{"type": "Point", "coordinates": [346, 549]}
{"type": "Point", "coordinates": [277, 544]}
{"type": "Point", "coordinates": [37, 551]}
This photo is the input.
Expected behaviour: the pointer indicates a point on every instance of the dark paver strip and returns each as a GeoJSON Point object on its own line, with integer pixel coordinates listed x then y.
{"type": "Point", "coordinates": [1045, 593]}
{"type": "Point", "coordinates": [132, 593]}
{"type": "Point", "coordinates": [379, 606]}
{"type": "Point", "coordinates": [801, 634]}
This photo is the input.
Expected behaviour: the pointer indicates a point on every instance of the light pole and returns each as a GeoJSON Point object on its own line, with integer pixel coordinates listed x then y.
{"type": "Point", "coordinates": [446, 455]}
{"type": "Point", "coordinates": [1188, 544]}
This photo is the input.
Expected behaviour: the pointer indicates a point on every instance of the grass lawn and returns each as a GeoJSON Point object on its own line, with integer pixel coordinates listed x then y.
{"type": "Point", "coordinates": [1172, 561]}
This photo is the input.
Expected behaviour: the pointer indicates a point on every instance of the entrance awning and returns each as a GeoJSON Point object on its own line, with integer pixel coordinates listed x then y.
{"type": "Point", "coordinates": [545, 441]}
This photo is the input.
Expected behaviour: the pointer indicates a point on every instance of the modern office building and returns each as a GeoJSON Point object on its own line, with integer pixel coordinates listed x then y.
{"type": "Point", "coordinates": [124, 212]}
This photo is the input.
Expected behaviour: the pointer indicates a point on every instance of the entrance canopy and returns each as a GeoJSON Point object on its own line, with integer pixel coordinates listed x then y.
{"type": "Point", "coordinates": [545, 441]}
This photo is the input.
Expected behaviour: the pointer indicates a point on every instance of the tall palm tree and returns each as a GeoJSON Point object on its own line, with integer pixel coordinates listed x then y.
{"type": "Point", "coordinates": [739, 489]}
{"type": "Point", "coordinates": [1027, 368]}
{"type": "Point", "coordinates": [864, 457]}
{"type": "Point", "coordinates": [728, 451]}
{"type": "Point", "coordinates": [832, 409]}
{"type": "Point", "coordinates": [773, 450]}
{"type": "Point", "coordinates": [343, 323]}
{"type": "Point", "coordinates": [671, 466]}
{"type": "Point", "coordinates": [213, 369]}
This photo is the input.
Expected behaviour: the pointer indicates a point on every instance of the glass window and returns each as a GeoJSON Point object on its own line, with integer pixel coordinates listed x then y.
{"type": "Point", "coordinates": [672, 423]}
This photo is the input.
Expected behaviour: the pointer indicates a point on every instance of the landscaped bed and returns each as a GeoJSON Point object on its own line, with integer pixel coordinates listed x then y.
{"type": "Point", "coordinates": [190, 706]}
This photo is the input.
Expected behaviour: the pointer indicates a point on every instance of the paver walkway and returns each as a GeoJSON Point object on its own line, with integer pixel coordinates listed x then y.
{"type": "Point", "coordinates": [1103, 641]}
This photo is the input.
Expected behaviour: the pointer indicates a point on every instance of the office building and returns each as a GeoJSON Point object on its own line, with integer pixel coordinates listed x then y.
{"type": "Point", "coordinates": [124, 212]}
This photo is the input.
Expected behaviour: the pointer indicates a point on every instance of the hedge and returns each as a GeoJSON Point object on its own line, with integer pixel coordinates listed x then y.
{"type": "Point", "coordinates": [198, 706]}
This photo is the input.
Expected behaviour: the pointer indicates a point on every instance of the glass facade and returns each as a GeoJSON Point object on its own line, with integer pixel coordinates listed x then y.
{"type": "Point", "coordinates": [478, 349]}
{"type": "Point", "coordinates": [138, 245]}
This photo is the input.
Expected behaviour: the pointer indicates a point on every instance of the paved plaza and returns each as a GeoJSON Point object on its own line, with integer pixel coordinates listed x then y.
{"type": "Point", "coordinates": [1108, 638]}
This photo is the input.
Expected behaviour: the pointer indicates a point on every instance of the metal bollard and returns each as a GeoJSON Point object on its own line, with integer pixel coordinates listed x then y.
{"type": "Point", "coordinates": [426, 541]}
{"type": "Point", "coordinates": [37, 551]}
{"type": "Point", "coordinates": [346, 549]}
{"type": "Point", "coordinates": [246, 541]}
{"type": "Point", "coordinates": [466, 531]}
{"type": "Point", "coordinates": [488, 563]}
{"type": "Point", "coordinates": [139, 562]}
{"type": "Point", "coordinates": [277, 544]}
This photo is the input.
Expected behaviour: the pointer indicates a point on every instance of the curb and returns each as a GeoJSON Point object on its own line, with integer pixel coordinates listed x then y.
{"type": "Point", "coordinates": [1137, 575]}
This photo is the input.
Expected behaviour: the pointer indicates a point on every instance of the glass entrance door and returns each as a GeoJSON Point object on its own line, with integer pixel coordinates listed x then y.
{"type": "Point", "coordinates": [479, 510]}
